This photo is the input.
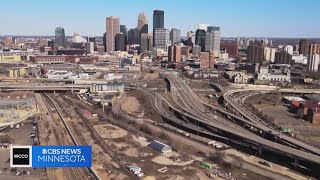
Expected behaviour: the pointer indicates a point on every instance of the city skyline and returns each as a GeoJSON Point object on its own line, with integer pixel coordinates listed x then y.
{"type": "Point", "coordinates": [280, 19]}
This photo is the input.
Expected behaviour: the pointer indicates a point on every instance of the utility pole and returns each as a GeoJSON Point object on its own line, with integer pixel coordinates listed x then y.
{"type": "Point", "coordinates": [102, 103]}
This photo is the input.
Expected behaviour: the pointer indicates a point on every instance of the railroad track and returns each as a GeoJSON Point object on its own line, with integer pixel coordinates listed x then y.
{"type": "Point", "coordinates": [99, 140]}
{"type": "Point", "coordinates": [60, 131]}
{"type": "Point", "coordinates": [75, 175]}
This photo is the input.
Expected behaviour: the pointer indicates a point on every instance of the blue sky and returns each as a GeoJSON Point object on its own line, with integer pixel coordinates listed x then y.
{"type": "Point", "coordinates": [256, 18]}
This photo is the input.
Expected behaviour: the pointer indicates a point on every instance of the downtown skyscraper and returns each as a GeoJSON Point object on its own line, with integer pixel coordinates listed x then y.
{"type": "Point", "coordinates": [60, 37]}
{"type": "Point", "coordinates": [212, 39]}
{"type": "Point", "coordinates": [161, 38]}
{"type": "Point", "coordinates": [175, 36]}
{"type": "Point", "coordinates": [146, 42]}
{"type": "Point", "coordinates": [142, 23]}
{"type": "Point", "coordinates": [112, 29]}
{"type": "Point", "coordinates": [200, 39]}
{"type": "Point", "coordinates": [158, 19]}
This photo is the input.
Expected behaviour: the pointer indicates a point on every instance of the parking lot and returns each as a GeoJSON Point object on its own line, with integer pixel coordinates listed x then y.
{"type": "Point", "coordinates": [19, 136]}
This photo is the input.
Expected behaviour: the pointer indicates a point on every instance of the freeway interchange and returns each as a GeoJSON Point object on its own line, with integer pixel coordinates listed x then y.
{"type": "Point", "coordinates": [189, 112]}
{"type": "Point", "coordinates": [248, 130]}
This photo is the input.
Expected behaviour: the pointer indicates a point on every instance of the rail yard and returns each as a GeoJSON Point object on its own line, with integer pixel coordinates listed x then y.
{"type": "Point", "coordinates": [210, 136]}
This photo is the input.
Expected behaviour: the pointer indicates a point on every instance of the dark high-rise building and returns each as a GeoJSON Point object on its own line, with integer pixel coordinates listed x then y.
{"type": "Point", "coordinates": [188, 42]}
{"type": "Point", "coordinates": [60, 37]}
{"type": "Point", "coordinates": [104, 38]}
{"type": "Point", "coordinates": [133, 36]}
{"type": "Point", "coordinates": [175, 36]}
{"type": "Point", "coordinates": [120, 42]}
{"type": "Point", "coordinates": [158, 19]}
{"type": "Point", "coordinates": [51, 44]}
{"type": "Point", "coordinates": [282, 58]}
{"type": "Point", "coordinates": [201, 38]}
{"type": "Point", "coordinates": [255, 52]}
{"type": "Point", "coordinates": [212, 28]}
{"type": "Point", "coordinates": [123, 29]}
{"type": "Point", "coordinates": [303, 47]}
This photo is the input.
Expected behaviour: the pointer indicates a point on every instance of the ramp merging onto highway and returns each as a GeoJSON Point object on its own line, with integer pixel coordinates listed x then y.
{"type": "Point", "coordinates": [199, 114]}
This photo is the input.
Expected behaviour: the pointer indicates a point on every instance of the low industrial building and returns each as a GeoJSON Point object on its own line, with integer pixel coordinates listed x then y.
{"type": "Point", "coordinates": [160, 147]}
{"type": "Point", "coordinates": [13, 72]}
{"type": "Point", "coordinates": [48, 59]}
{"type": "Point", "coordinates": [15, 56]}
{"type": "Point", "coordinates": [45, 69]}
{"type": "Point", "coordinates": [58, 74]}
{"type": "Point", "coordinates": [113, 76]}
{"type": "Point", "coordinates": [107, 88]}
{"type": "Point", "coordinates": [196, 73]}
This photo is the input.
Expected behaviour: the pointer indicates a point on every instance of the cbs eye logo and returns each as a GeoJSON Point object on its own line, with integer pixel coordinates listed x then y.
{"type": "Point", "coordinates": [20, 156]}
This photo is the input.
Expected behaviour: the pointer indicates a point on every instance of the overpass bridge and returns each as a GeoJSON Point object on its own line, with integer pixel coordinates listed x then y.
{"type": "Point", "coordinates": [42, 87]}
{"type": "Point", "coordinates": [190, 108]}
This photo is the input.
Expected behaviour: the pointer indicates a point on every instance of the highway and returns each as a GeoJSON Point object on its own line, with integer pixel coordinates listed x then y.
{"type": "Point", "coordinates": [194, 105]}
{"type": "Point", "coordinates": [248, 115]}
{"type": "Point", "coordinates": [191, 106]}
{"type": "Point", "coordinates": [230, 129]}
{"type": "Point", "coordinates": [156, 100]}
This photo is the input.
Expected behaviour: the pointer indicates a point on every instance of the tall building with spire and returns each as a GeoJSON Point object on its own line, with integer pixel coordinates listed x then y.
{"type": "Point", "coordinates": [112, 29]}
{"type": "Point", "coordinates": [142, 23]}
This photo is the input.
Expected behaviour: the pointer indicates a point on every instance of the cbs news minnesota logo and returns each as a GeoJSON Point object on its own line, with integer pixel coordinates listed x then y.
{"type": "Point", "coordinates": [21, 156]}
{"type": "Point", "coordinates": [51, 156]}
